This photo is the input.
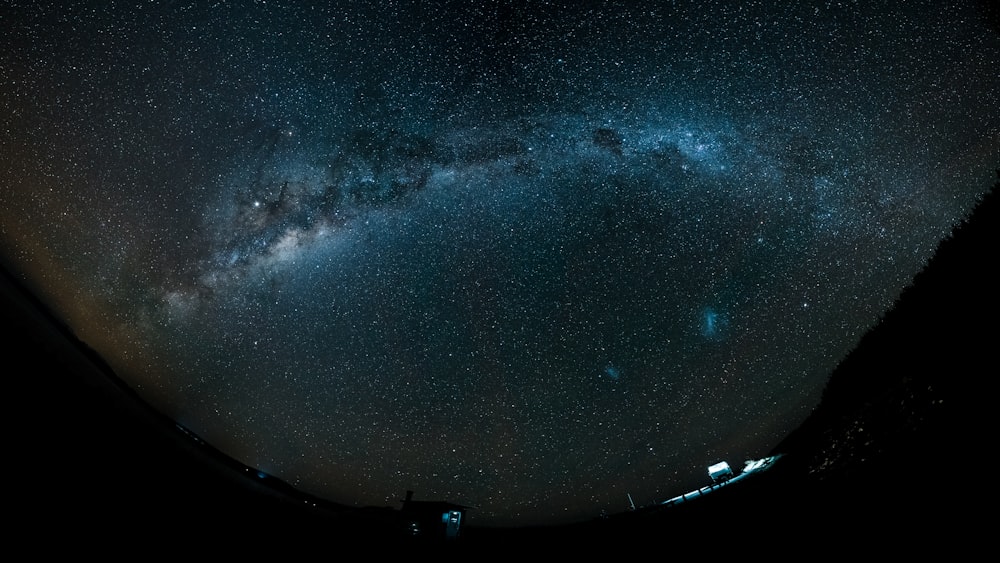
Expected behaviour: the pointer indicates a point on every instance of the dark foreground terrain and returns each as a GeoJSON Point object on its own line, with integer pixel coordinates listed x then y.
{"type": "Point", "coordinates": [894, 459]}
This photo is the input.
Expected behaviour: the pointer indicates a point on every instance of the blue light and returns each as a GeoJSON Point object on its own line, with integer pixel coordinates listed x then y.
{"type": "Point", "coordinates": [710, 319]}
{"type": "Point", "coordinates": [713, 323]}
{"type": "Point", "coordinates": [612, 371]}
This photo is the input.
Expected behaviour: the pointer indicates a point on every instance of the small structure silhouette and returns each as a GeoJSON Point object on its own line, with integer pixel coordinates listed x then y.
{"type": "Point", "coordinates": [432, 520]}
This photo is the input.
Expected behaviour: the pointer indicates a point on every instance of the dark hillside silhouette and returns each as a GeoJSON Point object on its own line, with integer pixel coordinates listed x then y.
{"type": "Point", "coordinates": [920, 373]}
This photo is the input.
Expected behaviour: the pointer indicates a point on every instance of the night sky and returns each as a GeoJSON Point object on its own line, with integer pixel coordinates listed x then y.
{"type": "Point", "coordinates": [530, 257]}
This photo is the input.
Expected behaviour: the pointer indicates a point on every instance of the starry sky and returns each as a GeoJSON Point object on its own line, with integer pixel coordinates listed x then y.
{"type": "Point", "coordinates": [527, 256]}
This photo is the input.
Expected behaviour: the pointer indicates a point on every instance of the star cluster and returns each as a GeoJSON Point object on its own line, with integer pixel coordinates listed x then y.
{"type": "Point", "coordinates": [531, 257]}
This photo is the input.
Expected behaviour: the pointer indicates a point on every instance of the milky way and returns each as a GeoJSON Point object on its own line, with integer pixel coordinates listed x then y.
{"type": "Point", "coordinates": [526, 257]}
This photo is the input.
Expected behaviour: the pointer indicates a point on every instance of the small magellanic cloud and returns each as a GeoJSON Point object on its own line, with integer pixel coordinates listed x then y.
{"type": "Point", "coordinates": [612, 371]}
